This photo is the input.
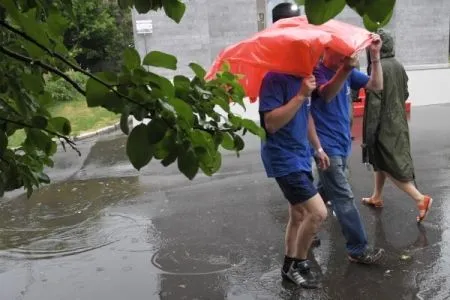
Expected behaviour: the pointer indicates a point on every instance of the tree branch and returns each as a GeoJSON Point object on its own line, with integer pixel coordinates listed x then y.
{"type": "Point", "coordinates": [65, 138]}
{"type": "Point", "coordinates": [76, 68]}
{"type": "Point", "coordinates": [70, 64]}
{"type": "Point", "coordinates": [45, 66]}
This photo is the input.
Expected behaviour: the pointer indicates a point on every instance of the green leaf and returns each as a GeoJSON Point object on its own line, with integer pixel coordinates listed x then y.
{"type": "Point", "coordinates": [379, 10]}
{"type": "Point", "coordinates": [124, 122]}
{"type": "Point", "coordinates": [183, 109]}
{"type": "Point", "coordinates": [357, 5]}
{"type": "Point", "coordinates": [210, 162]}
{"type": "Point", "coordinates": [96, 93]}
{"type": "Point", "coordinates": [131, 59]}
{"type": "Point", "coordinates": [139, 150]}
{"type": "Point", "coordinates": [39, 122]}
{"type": "Point", "coordinates": [181, 82]}
{"type": "Point", "coordinates": [188, 163]}
{"type": "Point", "coordinates": [223, 103]}
{"type": "Point", "coordinates": [300, 2]}
{"type": "Point", "coordinates": [170, 159]}
{"type": "Point", "coordinates": [157, 129]}
{"type": "Point", "coordinates": [227, 141]}
{"type": "Point", "coordinates": [161, 59]}
{"type": "Point", "coordinates": [43, 178]}
{"type": "Point", "coordinates": [57, 24]}
{"type": "Point", "coordinates": [225, 67]}
{"type": "Point", "coordinates": [203, 139]}
{"type": "Point", "coordinates": [235, 120]}
{"type": "Point", "coordinates": [51, 149]}
{"type": "Point", "coordinates": [167, 87]}
{"type": "Point", "coordinates": [374, 26]}
{"type": "Point", "coordinates": [253, 127]}
{"type": "Point", "coordinates": [61, 125]}
{"type": "Point", "coordinates": [33, 82]}
{"type": "Point", "coordinates": [3, 142]}
{"type": "Point", "coordinates": [320, 11]}
{"type": "Point", "coordinates": [238, 143]}
{"type": "Point", "coordinates": [182, 86]}
{"type": "Point", "coordinates": [198, 70]}
{"type": "Point", "coordinates": [174, 9]}
{"type": "Point", "coordinates": [142, 6]}
{"type": "Point", "coordinates": [167, 146]}
{"type": "Point", "coordinates": [38, 139]}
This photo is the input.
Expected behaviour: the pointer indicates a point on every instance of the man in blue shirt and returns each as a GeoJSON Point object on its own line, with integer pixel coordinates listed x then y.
{"type": "Point", "coordinates": [284, 107]}
{"type": "Point", "coordinates": [336, 76]}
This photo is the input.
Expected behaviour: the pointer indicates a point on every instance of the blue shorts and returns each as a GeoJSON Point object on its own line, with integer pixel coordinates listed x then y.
{"type": "Point", "coordinates": [297, 187]}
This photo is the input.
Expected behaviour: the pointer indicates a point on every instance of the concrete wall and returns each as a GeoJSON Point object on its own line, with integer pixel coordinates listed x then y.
{"type": "Point", "coordinates": [420, 28]}
{"type": "Point", "coordinates": [422, 31]}
{"type": "Point", "coordinates": [207, 27]}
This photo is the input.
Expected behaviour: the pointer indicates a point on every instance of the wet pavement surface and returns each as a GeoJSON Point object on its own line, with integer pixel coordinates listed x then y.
{"type": "Point", "coordinates": [104, 231]}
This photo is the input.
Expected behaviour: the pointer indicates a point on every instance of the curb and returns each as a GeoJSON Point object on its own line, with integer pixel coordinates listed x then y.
{"type": "Point", "coordinates": [101, 131]}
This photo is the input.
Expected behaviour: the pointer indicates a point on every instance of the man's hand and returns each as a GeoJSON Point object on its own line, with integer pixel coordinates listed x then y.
{"type": "Point", "coordinates": [351, 62]}
{"type": "Point", "coordinates": [322, 159]}
{"type": "Point", "coordinates": [308, 86]}
{"type": "Point", "coordinates": [375, 46]}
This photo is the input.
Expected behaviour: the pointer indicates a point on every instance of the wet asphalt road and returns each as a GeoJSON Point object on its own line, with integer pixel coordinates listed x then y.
{"type": "Point", "coordinates": [104, 231]}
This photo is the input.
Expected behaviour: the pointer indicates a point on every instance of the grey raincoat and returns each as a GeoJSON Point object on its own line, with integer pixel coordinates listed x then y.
{"type": "Point", "coordinates": [386, 143]}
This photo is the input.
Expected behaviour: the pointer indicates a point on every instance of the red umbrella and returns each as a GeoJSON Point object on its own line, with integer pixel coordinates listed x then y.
{"type": "Point", "coordinates": [290, 46]}
{"type": "Point", "coordinates": [346, 39]}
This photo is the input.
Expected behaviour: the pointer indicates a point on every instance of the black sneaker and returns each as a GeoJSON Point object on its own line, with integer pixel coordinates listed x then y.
{"type": "Point", "coordinates": [370, 256]}
{"type": "Point", "coordinates": [300, 273]}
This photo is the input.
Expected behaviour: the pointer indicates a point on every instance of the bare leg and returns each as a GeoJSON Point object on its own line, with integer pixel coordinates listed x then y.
{"type": "Point", "coordinates": [377, 197]}
{"type": "Point", "coordinates": [409, 188]}
{"type": "Point", "coordinates": [315, 214]}
{"type": "Point", "coordinates": [380, 179]}
{"type": "Point", "coordinates": [296, 216]}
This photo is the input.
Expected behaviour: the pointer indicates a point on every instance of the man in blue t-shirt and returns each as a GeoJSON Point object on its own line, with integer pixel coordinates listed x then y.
{"type": "Point", "coordinates": [284, 107]}
{"type": "Point", "coordinates": [336, 76]}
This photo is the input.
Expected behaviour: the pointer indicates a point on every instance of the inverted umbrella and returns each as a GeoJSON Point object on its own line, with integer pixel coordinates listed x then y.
{"type": "Point", "coordinates": [290, 46]}
{"type": "Point", "coordinates": [346, 39]}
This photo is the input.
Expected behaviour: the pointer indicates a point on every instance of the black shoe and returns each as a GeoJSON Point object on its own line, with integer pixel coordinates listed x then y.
{"type": "Point", "coordinates": [300, 273]}
{"type": "Point", "coordinates": [316, 242]}
{"type": "Point", "coordinates": [370, 256]}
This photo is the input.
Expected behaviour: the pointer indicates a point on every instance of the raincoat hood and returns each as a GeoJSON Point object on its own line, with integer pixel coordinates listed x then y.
{"type": "Point", "coordinates": [387, 49]}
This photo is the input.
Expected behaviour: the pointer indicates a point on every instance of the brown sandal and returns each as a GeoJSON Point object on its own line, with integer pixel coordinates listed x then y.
{"type": "Point", "coordinates": [424, 208]}
{"type": "Point", "coordinates": [371, 202]}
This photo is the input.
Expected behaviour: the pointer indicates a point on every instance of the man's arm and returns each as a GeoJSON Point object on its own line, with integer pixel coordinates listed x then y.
{"type": "Point", "coordinates": [279, 117]}
{"type": "Point", "coordinates": [330, 89]}
{"type": "Point", "coordinates": [312, 134]}
{"type": "Point", "coordinates": [322, 160]}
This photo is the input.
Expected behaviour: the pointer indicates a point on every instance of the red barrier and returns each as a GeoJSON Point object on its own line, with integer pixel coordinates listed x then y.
{"type": "Point", "coordinates": [358, 106]}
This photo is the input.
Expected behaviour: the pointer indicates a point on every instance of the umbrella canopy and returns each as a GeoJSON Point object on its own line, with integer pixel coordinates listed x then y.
{"type": "Point", "coordinates": [291, 46]}
{"type": "Point", "coordinates": [346, 39]}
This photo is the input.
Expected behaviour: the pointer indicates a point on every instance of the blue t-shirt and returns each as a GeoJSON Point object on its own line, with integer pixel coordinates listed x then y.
{"type": "Point", "coordinates": [287, 150]}
{"type": "Point", "coordinates": [332, 119]}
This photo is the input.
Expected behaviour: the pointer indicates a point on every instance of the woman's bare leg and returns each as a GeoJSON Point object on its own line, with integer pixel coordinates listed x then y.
{"type": "Point", "coordinates": [377, 196]}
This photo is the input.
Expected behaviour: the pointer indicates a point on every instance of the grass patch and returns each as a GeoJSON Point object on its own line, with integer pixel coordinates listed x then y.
{"type": "Point", "coordinates": [82, 118]}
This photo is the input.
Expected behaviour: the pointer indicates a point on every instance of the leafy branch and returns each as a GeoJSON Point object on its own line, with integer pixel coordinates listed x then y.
{"type": "Point", "coordinates": [69, 63]}
{"type": "Point", "coordinates": [43, 65]}
{"type": "Point", "coordinates": [60, 136]}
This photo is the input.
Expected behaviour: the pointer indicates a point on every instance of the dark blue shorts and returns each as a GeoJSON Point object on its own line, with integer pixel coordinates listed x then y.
{"type": "Point", "coordinates": [297, 187]}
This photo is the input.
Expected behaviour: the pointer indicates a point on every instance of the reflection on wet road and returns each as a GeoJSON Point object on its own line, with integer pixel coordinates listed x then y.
{"type": "Point", "coordinates": [104, 231]}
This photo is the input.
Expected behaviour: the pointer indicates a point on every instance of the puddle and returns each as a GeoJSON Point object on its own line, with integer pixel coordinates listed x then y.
{"type": "Point", "coordinates": [195, 260]}
{"type": "Point", "coordinates": [71, 218]}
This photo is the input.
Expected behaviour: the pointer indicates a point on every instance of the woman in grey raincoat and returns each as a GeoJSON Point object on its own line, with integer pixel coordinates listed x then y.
{"type": "Point", "coordinates": [386, 144]}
